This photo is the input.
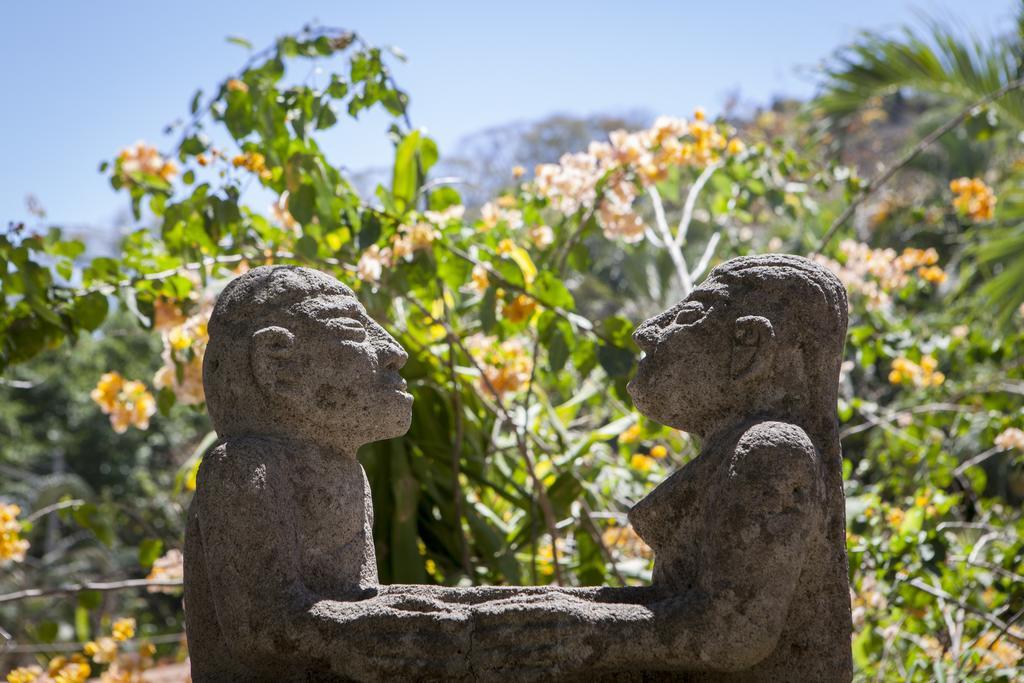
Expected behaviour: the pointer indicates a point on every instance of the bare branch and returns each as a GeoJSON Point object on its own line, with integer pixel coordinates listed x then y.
{"type": "Point", "coordinates": [72, 588]}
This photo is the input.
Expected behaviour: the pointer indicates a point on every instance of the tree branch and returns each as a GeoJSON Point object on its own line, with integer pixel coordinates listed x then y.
{"type": "Point", "coordinates": [72, 588]}
{"type": "Point", "coordinates": [883, 177]}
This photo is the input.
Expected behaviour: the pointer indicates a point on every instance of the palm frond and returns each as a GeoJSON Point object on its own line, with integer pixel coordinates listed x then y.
{"type": "Point", "coordinates": [934, 61]}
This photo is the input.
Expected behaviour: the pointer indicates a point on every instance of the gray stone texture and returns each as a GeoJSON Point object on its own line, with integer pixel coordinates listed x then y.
{"type": "Point", "coordinates": [750, 565]}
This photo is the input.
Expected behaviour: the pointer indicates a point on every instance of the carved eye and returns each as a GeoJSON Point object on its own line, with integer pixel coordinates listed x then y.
{"type": "Point", "coordinates": [691, 312]}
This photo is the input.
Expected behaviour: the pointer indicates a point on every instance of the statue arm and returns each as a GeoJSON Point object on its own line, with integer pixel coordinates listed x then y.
{"type": "Point", "coordinates": [266, 612]}
{"type": "Point", "coordinates": [752, 552]}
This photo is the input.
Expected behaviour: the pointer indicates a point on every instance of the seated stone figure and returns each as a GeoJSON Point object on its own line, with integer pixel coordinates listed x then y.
{"type": "Point", "coordinates": [750, 566]}
{"type": "Point", "coordinates": [750, 571]}
{"type": "Point", "coordinates": [280, 574]}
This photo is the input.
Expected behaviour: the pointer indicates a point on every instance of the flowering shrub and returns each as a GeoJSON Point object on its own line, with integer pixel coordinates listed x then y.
{"type": "Point", "coordinates": [525, 452]}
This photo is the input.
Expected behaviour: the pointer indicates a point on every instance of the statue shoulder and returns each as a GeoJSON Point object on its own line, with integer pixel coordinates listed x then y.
{"type": "Point", "coordinates": [773, 450]}
{"type": "Point", "coordinates": [243, 461]}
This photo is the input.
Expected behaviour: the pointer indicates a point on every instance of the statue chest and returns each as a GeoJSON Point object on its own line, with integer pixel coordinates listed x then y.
{"type": "Point", "coordinates": [673, 519]}
{"type": "Point", "coordinates": [334, 528]}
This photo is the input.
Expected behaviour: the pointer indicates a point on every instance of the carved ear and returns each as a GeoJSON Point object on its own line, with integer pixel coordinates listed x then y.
{"type": "Point", "coordinates": [271, 347]}
{"type": "Point", "coordinates": [753, 347]}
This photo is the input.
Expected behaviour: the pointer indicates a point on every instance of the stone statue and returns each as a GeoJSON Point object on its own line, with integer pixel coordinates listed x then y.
{"type": "Point", "coordinates": [750, 564]}
{"type": "Point", "coordinates": [279, 534]}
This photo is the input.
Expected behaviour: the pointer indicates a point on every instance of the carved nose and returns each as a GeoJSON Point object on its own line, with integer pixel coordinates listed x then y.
{"type": "Point", "coordinates": [646, 335]}
{"type": "Point", "coordinates": [394, 357]}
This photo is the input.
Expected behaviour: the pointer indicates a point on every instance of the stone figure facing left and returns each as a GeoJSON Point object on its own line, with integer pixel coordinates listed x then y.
{"type": "Point", "coordinates": [280, 532]}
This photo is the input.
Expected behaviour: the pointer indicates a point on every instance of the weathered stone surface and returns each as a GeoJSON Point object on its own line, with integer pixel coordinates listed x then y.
{"type": "Point", "coordinates": [750, 564]}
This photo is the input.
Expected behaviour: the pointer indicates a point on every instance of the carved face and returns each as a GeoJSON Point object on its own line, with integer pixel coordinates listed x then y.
{"type": "Point", "coordinates": [686, 360]}
{"type": "Point", "coordinates": [337, 371]}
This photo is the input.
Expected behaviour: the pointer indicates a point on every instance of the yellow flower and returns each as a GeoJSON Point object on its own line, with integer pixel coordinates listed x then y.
{"type": "Point", "coordinates": [895, 517]}
{"type": "Point", "coordinates": [932, 274]}
{"type": "Point", "coordinates": [168, 567]}
{"type": "Point", "coordinates": [505, 247]}
{"type": "Point", "coordinates": [141, 158]}
{"type": "Point", "coordinates": [127, 403]}
{"type": "Point", "coordinates": [12, 546]}
{"type": "Point", "coordinates": [518, 172]}
{"type": "Point", "coordinates": [519, 309]}
{"type": "Point", "coordinates": [372, 263]}
{"type": "Point", "coordinates": [923, 375]}
{"type": "Point", "coordinates": [698, 114]}
{"type": "Point", "coordinates": [75, 671]}
{"type": "Point", "coordinates": [631, 434]}
{"type": "Point", "coordinates": [658, 451]}
{"type": "Point", "coordinates": [641, 463]}
{"type": "Point", "coordinates": [430, 566]}
{"type": "Point", "coordinates": [506, 367]}
{"type": "Point", "coordinates": [254, 162]}
{"type": "Point", "coordinates": [625, 541]}
{"type": "Point", "coordinates": [973, 198]}
{"type": "Point", "coordinates": [107, 390]}
{"type": "Point", "coordinates": [123, 629]}
{"type": "Point", "coordinates": [102, 651]}
{"type": "Point", "coordinates": [735, 146]}
{"type": "Point", "coordinates": [25, 674]}
{"type": "Point", "coordinates": [479, 279]}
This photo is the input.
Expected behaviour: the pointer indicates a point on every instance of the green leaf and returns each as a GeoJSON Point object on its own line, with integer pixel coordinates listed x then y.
{"type": "Point", "coordinates": [237, 40]}
{"type": "Point", "coordinates": [338, 87]}
{"type": "Point", "coordinates": [82, 629]}
{"type": "Point", "coordinates": [89, 599]}
{"type": "Point", "coordinates": [301, 203]}
{"type": "Point", "coordinates": [558, 350]}
{"type": "Point", "coordinates": [46, 632]}
{"type": "Point", "coordinates": [405, 178]}
{"type": "Point", "coordinates": [306, 247]}
{"type": "Point", "coordinates": [149, 551]}
{"type": "Point", "coordinates": [550, 289]}
{"type": "Point", "coordinates": [487, 312]}
{"type": "Point", "coordinates": [90, 311]}
{"type": "Point", "coordinates": [165, 400]}
{"type": "Point", "coordinates": [369, 229]}
{"type": "Point", "coordinates": [616, 361]}
{"type": "Point", "coordinates": [326, 117]}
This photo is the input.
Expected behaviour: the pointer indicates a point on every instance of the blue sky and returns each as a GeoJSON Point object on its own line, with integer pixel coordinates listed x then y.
{"type": "Point", "coordinates": [82, 79]}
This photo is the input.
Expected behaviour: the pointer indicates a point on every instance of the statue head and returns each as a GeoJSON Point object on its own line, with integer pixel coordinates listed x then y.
{"type": "Point", "coordinates": [762, 336]}
{"type": "Point", "coordinates": [293, 354]}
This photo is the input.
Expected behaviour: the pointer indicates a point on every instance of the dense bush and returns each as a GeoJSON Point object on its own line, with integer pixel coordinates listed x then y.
{"type": "Point", "coordinates": [525, 452]}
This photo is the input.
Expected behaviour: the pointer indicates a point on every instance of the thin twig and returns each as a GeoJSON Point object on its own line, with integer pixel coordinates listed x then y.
{"type": "Point", "coordinates": [599, 539]}
{"type": "Point", "coordinates": [705, 259]}
{"type": "Point", "coordinates": [457, 449]}
{"type": "Point", "coordinates": [64, 504]}
{"type": "Point", "coordinates": [674, 249]}
{"type": "Point", "coordinates": [73, 647]}
{"type": "Point", "coordinates": [691, 202]}
{"type": "Point", "coordinates": [1002, 632]}
{"type": "Point", "coordinates": [978, 459]}
{"type": "Point", "coordinates": [878, 181]}
{"type": "Point", "coordinates": [943, 595]}
{"type": "Point", "coordinates": [72, 588]}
